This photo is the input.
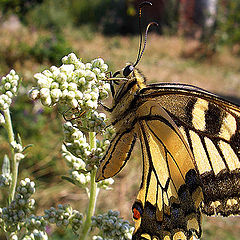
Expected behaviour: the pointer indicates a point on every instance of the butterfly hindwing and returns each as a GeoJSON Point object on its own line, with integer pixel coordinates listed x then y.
{"type": "Point", "coordinates": [169, 182]}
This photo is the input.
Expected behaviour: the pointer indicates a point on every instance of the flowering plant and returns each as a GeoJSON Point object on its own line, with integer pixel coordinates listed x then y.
{"type": "Point", "coordinates": [77, 88]}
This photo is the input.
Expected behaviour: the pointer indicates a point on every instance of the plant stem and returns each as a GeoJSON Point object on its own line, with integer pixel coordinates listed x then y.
{"type": "Point", "coordinates": [14, 162]}
{"type": "Point", "coordinates": [93, 193]}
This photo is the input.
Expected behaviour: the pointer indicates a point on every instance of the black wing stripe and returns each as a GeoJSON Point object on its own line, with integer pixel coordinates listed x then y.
{"type": "Point", "coordinates": [143, 159]}
{"type": "Point", "coordinates": [151, 168]}
{"type": "Point", "coordinates": [213, 118]}
{"type": "Point", "coordinates": [129, 153]}
{"type": "Point", "coordinates": [198, 132]}
{"type": "Point", "coordinates": [191, 147]}
{"type": "Point", "coordinates": [166, 157]}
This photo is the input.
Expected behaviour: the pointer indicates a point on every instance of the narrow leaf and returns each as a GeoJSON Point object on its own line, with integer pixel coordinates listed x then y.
{"type": "Point", "coordinates": [6, 165]}
{"type": "Point", "coordinates": [19, 140]}
{"type": "Point", "coordinates": [68, 179]}
{"type": "Point", "coordinates": [28, 146]}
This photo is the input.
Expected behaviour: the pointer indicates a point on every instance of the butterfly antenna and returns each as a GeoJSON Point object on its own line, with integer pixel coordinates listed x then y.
{"type": "Point", "coordinates": [141, 50]}
{"type": "Point", "coordinates": [145, 42]}
{"type": "Point", "coordinates": [141, 5]}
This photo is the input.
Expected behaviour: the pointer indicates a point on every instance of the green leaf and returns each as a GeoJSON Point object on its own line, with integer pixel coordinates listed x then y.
{"type": "Point", "coordinates": [68, 179]}
{"type": "Point", "coordinates": [82, 171]}
{"type": "Point", "coordinates": [28, 146]}
{"type": "Point", "coordinates": [6, 165]}
{"type": "Point", "coordinates": [19, 140]}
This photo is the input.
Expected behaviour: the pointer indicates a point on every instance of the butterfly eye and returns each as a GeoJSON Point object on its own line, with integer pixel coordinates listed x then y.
{"type": "Point", "coordinates": [127, 70]}
{"type": "Point", "coordinates": [137, 211]}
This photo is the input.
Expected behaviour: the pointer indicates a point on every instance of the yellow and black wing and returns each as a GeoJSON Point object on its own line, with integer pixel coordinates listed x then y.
{"type": "Point", "coordinates": [211, 127]}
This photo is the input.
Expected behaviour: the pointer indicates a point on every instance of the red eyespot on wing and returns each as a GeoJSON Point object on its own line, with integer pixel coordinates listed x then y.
{"type": "Point", "coordinates": [136, 214]}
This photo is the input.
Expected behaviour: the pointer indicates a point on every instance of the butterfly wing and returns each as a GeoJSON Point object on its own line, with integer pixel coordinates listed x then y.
{"type": "Point", "coordinates": [211, 127]}
{"type": "Point", "coordinates": [170, 192]}
{"type": "Point", "coordinates": [117, 154]}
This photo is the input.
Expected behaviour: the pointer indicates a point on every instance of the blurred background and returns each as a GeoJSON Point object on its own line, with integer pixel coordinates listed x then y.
{"type": "Point", "coordinates": [197, 42]}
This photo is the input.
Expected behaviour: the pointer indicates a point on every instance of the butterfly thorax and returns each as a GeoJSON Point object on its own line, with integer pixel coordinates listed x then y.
{"type": "Point", "coordinates": [124, 101]}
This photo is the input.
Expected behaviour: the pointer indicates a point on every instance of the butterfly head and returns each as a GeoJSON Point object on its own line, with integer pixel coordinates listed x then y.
{"type": "Point", "coordinates": [125, 73]}
{"type": "Point", "coordinates": [127, 70]}
{"type": "Point", "coordinates": [125, 79]}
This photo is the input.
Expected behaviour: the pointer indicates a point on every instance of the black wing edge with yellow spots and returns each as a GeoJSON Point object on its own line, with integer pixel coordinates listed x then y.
{"type": "Point", "coordinates": [190, 143]}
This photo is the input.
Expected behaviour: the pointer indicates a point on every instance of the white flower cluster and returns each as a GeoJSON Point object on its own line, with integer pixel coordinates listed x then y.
{"type": "Point", "coordinates": [8, 89]}
{"type": "Point", "coordinates": [79, 171]}
{"type": "Point", "coordinates": [74, 84]}
{"type": "Point", "coordinates": [101, 146]}
{"type": "Point", "coordinates": [75, 141]}
{"type": "Point", "coordinates": [64, 216]}
{"type": "Point", "coordinates": [94, 121]}
{"type": "Point", "coordinates": [76, 166]}
{"type": "Point", "coordinates": [82, 179]}
{"type": "Point", "coordinates": [20, 208]}
{"type": "Point", "coordinates": [104, 184]}
{"type": "Point", "coordinates": [72, 161]}
{"type": "Point", "coordinates": [111, 226]}
{"type": "Point", "coordinates": [2, 119]}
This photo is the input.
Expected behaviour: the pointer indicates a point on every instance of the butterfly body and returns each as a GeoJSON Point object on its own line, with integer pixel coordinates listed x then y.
{"type": "Point", "coordinates": [190, 150]}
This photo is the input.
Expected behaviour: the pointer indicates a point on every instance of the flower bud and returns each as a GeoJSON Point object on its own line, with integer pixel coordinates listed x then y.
{"type": "Point", "coordinates": [47, 73]}
{"type": "Point", "coordinates": [56, 93]}
{"type": "Point", "coordinates": [97, 62]}
{"type": "Point", "coordinates": [67, 68]}
{"type": "Point", "coordinates": [88, 66]}
{"type": "Point", "coordinates": [74, 103]}
{"type": "Point", "coordinates": [9, 94]}
{"type": "Point", "coordinates": [44, 92]}
{"type": "Point", "coordinates": [54, 85]}
{"type": "Point", "coordinates": [46, 101]}
{"type": "Point", "coordinates": [90, 75]}
{"type": "Point", "coordinates": [7, 86]}
{"type": "Point", "coordinates": [2, 119]}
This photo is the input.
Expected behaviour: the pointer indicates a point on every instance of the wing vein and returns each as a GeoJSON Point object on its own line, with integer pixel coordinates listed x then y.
{"type": "Point", "coordinates": [166, 149]}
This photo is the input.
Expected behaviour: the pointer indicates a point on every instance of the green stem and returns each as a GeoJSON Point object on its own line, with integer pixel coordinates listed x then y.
{"type": "Point", "coordinates": [14, 162]}
{"type": "Point", "coordinates": [93, 193]}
